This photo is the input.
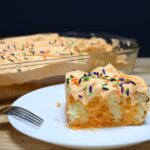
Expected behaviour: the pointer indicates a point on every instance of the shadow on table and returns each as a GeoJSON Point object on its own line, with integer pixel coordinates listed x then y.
{"type": "Point", "coordinates": [20, 141]}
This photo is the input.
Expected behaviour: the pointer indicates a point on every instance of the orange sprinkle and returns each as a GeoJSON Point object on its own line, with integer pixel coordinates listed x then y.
{"type": "Point", "coordinates": [47, 51]}
{"type": "Point", "coordinates": [75, 81]}
{"type": "Point", "coordinates": [115, 86]}
{"type": "Point", "coordinates": [115, 76]}
{"type": "Point", "coordinates": [118, 93]}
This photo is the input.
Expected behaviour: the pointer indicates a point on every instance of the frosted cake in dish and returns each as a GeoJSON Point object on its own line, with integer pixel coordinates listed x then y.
{"type": "Point", "coordinates": [105, 97]}
{"type": "Point", "coordinates": [50, 46]}
{"type": "Point", "coordinates": [31, 62]}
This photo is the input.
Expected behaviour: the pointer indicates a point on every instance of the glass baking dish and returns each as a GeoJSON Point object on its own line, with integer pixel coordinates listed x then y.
{"type": "Point", "coordinates": [123, 56]}
{"type": "Point", "coordinates": [17, 79]}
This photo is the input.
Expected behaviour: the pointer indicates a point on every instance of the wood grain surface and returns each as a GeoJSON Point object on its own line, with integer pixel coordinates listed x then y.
{"type": "Point", "coordinates": [11, 139]}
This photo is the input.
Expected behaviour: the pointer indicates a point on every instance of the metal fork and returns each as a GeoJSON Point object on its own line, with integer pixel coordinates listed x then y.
{"type": "Point", "coordinates": [22, 115]}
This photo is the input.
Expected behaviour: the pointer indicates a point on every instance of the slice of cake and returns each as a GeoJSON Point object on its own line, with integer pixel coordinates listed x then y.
{"type": "Point", "coordinates": [105, 97]}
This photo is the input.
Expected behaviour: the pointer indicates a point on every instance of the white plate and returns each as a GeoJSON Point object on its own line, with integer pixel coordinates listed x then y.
{"type": "Point", "coordinates": [43, 103]}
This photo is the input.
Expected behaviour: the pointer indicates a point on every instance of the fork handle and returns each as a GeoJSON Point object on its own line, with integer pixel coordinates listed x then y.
{"type": "Point", "coordinates": [5, 110]}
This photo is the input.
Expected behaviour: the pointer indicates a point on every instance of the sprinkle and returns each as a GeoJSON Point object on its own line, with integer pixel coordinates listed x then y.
{"type": "Point", "coordinates": [112, 79]}
{"type": "Point", "coordinates": [115, 86]}
{"type": "Point", "coordinates": [133, 82]}
{"type": "Point", "coordinates": [114, 75]}
{"type": "Point", "coordinates": [117, 83]}
{"type": "Point", "coordinates": [90, 89]}
{"type": "Point", "coordinates": [89, 74]}
{"type": "Point", "coordinates": [11, 60]}
{"type": "Point", "coordinates": [96, 73]}
{"type": "Point", "coordinates": [121, 84]}
{"type": "Point", "coordinates": [71, 53]}
{"type": "Point", "coordinates": [19, 70]}
{"type": "Point", "coordinates": [33, 52]}
{"type": "Point", "coordinates": [127, 82]}
{"type": "Point", "coordinates": [86, 78]}
{"type": "Point", "coordinates": [14, 46]}
{"type": "Point", "coordinates": [2, 57]}
{"type": "Point", "coordinates": [121, 79]}
{"type": "Point", "coordinates": [12, 54]}
{"type": "Point", "coordinates": [42, 52]}
{"type": "Point", "coordinates": [122, 89]}
{"type": "Point", "coordinates": [103, 70]}
{"type": "Point", "coordinates": [104, 84]}
{"type": "Point", "coordinates": [73, 69]}
{"type": "Point", "coordinates": [68, 80]}
{"type": "Point", "coordinates": [84, 88]}
{"type": "Point", "coordinates": [106, 76]}
{"type": "Point", "coordinates": [127, 91]}
{"type": "Point", "coordinates": [80, 80]}
{"type": "Point", "coordinates": [106, 80]}
{"type": "Point", "coordinates": [80, 96]}
{"type": "Point", "coordinates": [90, 94]}
{"type": "Point", "coordinates": [105, 88]}
{"type": "Point", "coordinates": [118, 92]}
{"type": "Point", "coordinates": [75, 81]}
{"type": "Point", "coordinates": [118, 80]}
{"type": "Point", "coordinates": [71, 76]}
{"type": "Point", "coordinates": [85, 75]}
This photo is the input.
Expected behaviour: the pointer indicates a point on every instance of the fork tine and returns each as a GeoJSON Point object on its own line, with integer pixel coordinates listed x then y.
{"type": "Point", "coordinates": [23, 117]}
{"type": "Point", "coordinates": [25, 121]}
{"type": "Point", "coordinates": [27, 116]}
{"type": "Point", "coordinates": [29, 113]}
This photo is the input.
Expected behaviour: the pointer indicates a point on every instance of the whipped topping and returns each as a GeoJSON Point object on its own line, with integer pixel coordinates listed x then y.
{"type": "Point", "coordinates": [103, 81]}
{"type": "Point", "coordinates": [44, 47]}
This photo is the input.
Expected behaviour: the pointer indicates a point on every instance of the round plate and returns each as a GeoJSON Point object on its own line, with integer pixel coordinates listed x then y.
{"type": "Point", "coordinates": [54, 130]}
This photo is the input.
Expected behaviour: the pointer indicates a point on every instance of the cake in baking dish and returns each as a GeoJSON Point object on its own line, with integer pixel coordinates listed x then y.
{"type": "Point", "coordinates": [105, 97]}
{"type": "Point", "coordinates": [34, 61]}
{"type": "Point", "coordinates": [48, 46]}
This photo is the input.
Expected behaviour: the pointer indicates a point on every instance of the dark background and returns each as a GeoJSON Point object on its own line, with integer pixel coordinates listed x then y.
{"type": "Point", "coordinates": [129, 18]}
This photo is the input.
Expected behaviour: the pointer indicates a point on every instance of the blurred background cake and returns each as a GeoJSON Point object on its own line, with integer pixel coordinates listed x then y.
{"type": "Point", "coordinates": [34, 61]}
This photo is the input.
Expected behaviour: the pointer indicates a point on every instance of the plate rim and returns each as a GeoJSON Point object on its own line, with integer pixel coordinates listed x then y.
{"type": "Point", "coordinates": [10, 119]}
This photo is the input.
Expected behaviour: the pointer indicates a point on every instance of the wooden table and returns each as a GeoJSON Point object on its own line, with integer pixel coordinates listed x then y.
{"type": "Point", "coordinates": [11, 139]}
